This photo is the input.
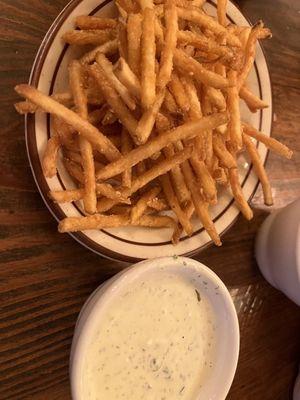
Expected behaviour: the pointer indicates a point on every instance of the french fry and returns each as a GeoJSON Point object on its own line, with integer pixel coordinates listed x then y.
{"type": "Point", "coordinates": [50, 156]}
{"type": "Point", "coordinates": [128, 78]}
{"type": "Point", "coordinates": [224, 156]}
{"type": "Point", "coordinates": [148, 77]}
{"type": "Point", "coordinates": [253, 102]}
{"type": "Point", "coordinates": [95, 36]}
{"type": "Point", "coordinates": [134, 33]}
{"type": "Point", "coordinates": [66, 196]}
{"type": "Point", "coordinates": [205, 179]}
{"type": "Point", "coordinates": [109, 47]}
{"type": "Point", "coordinates": [142, 204]}
{"type": "Point", "coordinates": [74, 170]}
{"type": "Point", "coordinates": [125, 149]}
{"type": "Point", "coordinates": [146, 123]}
{"type": "Point", "coordinates": [158, 204]}
{"type": "Point", "coordinates": [238, 193]}
{"type": "Point", "coordinates": [188, 210]}
{"type": "Point", "coordinates": [122, 40]}
{"type": "Point", "coordinates": [87, 158]}
{"type": "Point", "coordinates": [174, 204]}
{"type": "Point", "coordinates": [25, 107]}
{"type": "Point", "coordinates": [107, 190]}
{"type": "Point", "coordinates": [259, 170]}
{"type": "Point", "coordinates": [177, 177]}
{"type": "Point", "coordinates": [92, 134]}
{"type": "Point", "coordinates": [90, 22]}
{"type": "Point", "coordinates": [166, 60]}
{"type": "Point", "coordinates": [221, 12]}
{"type": "Point", "coordinates": [186, 131]}
{"type": "Point", "coordinates": [107, 68]}
{"type": "Point", "coordinates": [216, 98]}
{"type": "Point", "coordinates": [201, 207]}
{"type": "Point", "coordinates": [169, 103]}
{"type": "Point", "coordinates": [114, 101]}
{"type": "Point", "coordinates": [209, 23]}
{"type": "Point", "coordinates": [257, 32]}
{"type": "Point", "coordinates": [269, 142]}
{"type": "Point", "coordinates": [234, 125]}
{"type": "Point", "coordinates": [192, 67]}
{"type": "Point", "coordinates": [176, 88]}
{"type": "Point", "coordinates": [127, 5]}
{"type": "Point", "coordinates": [97, 221]}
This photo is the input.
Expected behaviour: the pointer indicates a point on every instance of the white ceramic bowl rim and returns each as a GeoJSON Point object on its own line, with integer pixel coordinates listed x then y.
{"type": "Point", "coordinates": [120, 280]}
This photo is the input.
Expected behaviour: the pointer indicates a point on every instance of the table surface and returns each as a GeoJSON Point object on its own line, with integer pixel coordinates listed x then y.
{"type": "Point", "coordinates": [45, 277]}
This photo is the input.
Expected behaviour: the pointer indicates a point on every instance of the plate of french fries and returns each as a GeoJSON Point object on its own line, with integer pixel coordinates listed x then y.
{"type": "Point", "coordinates": [148, 123]}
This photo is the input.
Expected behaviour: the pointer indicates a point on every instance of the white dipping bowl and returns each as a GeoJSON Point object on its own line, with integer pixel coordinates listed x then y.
{"type": "Point", "coordinates": [218, 384]}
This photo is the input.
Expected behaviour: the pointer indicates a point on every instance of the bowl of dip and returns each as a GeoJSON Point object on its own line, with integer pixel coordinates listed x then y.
{"type": "Point", "coordinates": [163, 329]}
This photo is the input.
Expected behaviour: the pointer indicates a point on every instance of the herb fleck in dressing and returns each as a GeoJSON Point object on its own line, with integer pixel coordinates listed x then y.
{"type": "Point", "coordinates": [155, 341]}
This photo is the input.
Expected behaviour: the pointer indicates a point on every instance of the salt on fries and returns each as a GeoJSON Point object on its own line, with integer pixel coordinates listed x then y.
{"type": "Point", "coordinates": [151, 123]}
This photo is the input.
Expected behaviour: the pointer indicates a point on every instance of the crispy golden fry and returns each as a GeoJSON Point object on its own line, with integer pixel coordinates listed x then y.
{"type": "Point", "coordinates": [174, 204]}
{"type": "Point", "coordinates": [109, 47]}
{"type": "Point", "coordinates": [107, 68]}
{"type": "Point", "coordinates": [158, 204]}
{"type": "Point", "coordinates": [142, 204]}
{"type": "Point", "coordinates": [188, 210]}
{"type": "Point", "coordinates": [50, 156]}
{"type": "Point", "coordinates": [257, 32]}
{"type": "Point", "coordinates": [126, 147]}
{"type": "Point", "coordinates": [190, 66]}
{"type": "Point", "coordinates": [87, 158]}
{"type": "Point", "coordinates": [169, 102]}
{"type": "Point", "coordinates": [177, 89]}
{"type": "Point", "coordinates": [95, 36]}
{"type": "Point", "coordinates": [253, 102]}
{"type": "Point", "coordinates": [209, 23]}
{"type": "Point", "coordinates": [98, 221]}
{"type": "Point", "coordinates": [157, 170]}
{"type": "Point", "coordinates": [148, 77]}
{"type": "Point", "coordinates": [73, 156]}
{"type": "Point", "coordinates": [186, 131]}
{"type": "Point", "coordinates": [92, 134]}
{"type": "Point", "coordinates": [201, 207]}
{"type": "Point", "coordinates": [66, 196]}
{"type": "Point", "coordinates": [122, 40]}
{"type": "Point", "coordinates": [177, 177]}
{"type": "Point", "coordinates": [146, 123]}
{"type": "Point", "coordinates": [216, 98]}
{"type": "Point", "coordinates": [88, 22]}
{"type": "Point", "coordinates": [259, 170]}
{"type": "Point", "coordinates": [134, 33]}
{"type": "Point", "coordinates": [269, 142]}
{"type": "Point", "coordinates": [166, 60]}
{"type": "Point", "coordinates": [128, 78]}
{"type": "Point", "coordinates": [74, 170]}
{"type": "Point", "coordinates": [221, 12]}
{"type": "Point", "coordinates": [238, 193]}
{"type": "Point", "coordinates": [205, 179]}
{"type": "Point", "coordinates": [25, 107]}
{"type": "Point", "coordinates": [107, 190]}
{"type": "Point", "coordinates": [234, 125]}
{"type": "Point", "coordinates": [224, 156]}
{"type": "Point", "coordinates": [113, 100]}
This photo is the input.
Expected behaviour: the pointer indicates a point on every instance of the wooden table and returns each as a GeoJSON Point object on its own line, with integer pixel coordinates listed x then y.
{"type": "Point", "coordinates": [45, 277]}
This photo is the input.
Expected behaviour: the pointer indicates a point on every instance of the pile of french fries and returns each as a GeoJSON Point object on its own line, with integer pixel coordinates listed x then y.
{"type": "Point", "coordinates": [151, 123]}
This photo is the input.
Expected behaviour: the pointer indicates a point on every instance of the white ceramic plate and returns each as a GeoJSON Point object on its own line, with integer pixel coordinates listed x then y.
{"type": "Point", "coordinates": [129, 244]}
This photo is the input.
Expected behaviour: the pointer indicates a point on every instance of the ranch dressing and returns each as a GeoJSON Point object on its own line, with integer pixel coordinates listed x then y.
{"type": "Point", "coordinates": [155, 341]}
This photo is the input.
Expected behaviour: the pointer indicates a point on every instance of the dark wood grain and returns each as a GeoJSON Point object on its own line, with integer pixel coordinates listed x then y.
{"type": "Point", "coordinates": [45, 277]}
